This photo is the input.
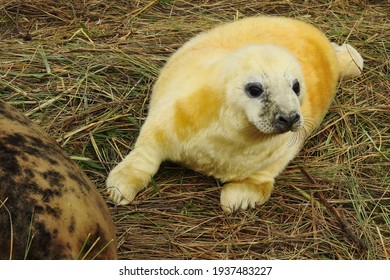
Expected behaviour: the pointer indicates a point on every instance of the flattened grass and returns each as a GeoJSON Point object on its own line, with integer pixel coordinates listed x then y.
{"type": "Point", "coordinates": [84, 72]}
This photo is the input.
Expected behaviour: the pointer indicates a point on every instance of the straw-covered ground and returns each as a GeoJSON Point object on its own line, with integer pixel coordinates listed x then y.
{"type": "Point", "coordinates": [83, 70]}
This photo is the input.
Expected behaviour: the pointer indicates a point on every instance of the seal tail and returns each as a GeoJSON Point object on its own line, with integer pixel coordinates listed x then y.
{"type": "Point", "coordinates": [350, 61]}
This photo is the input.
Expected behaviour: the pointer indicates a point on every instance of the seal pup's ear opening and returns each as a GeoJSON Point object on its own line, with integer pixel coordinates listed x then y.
{"type": "Point", "coordinates": [350, 61]}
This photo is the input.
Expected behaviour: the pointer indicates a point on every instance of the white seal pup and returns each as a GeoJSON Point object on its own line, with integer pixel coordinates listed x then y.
{"type": "Point", "coordinates": [236, 103]}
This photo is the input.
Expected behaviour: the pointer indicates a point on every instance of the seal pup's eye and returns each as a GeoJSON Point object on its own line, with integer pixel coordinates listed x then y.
{"type": "Point", "coordinates": [254, 90]}
{"type": "Point", "coordinates": [296, 87]}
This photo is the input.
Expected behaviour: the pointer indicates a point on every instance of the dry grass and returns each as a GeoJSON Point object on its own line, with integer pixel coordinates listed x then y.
{"type": "Point", "coordinates": [86, 75]}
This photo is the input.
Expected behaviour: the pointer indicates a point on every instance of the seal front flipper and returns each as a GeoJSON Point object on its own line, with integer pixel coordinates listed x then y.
{"type": "Point", "coordinates": [245, 194]}
{"type": "Point", "coordinates": [136, 170]}
{"type": "Point", "coordinates": [130, 176]}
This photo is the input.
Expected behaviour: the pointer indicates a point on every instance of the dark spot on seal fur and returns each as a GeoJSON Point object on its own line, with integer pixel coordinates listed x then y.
{"type": "Point", "coordinates": [8, 161]}
{"type": "Point", "coordinates": [53, 250]}
{"type": "Point", "coordinates": [48, 194]}
{"type": "Point", "coordinates": [29, 173]}
{"type": "Point", "coordinates": [72, 225]}
{"type": "Point", "coordinates": [53, 211]}
{"type": "Point", "coordinates": [55, 233]}
{"type": "Point", "coordinates": [15, 139]}
{"type": "Point", "coordinates": [30, 145]}
{"type": "Point", "coordinates": [49, 146]}
{"type": "Point", "coordinates": [80, 179]}
{"type": "Point", "coordinates": [54, 178]}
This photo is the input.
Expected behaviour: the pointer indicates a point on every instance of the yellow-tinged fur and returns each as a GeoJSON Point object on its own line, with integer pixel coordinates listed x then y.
{"type": "Point", "coordinates": [194, 113]}
{"type": "Point", "coordinates": [204, 114]}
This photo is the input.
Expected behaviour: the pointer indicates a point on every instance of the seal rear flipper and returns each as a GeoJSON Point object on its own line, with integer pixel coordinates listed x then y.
{"type": "Point", "coordinates": [350, 61]}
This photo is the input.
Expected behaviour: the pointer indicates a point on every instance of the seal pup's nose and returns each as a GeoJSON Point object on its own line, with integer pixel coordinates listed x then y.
{"type": "Point", "coordinates": [285, 122]}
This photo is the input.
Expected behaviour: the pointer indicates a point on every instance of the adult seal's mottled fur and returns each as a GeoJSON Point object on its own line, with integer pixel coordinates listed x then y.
{"type": "Point", "coordinates": [236, 103]}
{"type": "Point", "coordinates": [49, 209]}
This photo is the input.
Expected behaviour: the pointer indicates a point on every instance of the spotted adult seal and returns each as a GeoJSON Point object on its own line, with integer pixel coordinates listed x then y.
{"type": "Point", "coordinates": [49, 209]}
{"type": "Point", "coordinates": [237, 103]}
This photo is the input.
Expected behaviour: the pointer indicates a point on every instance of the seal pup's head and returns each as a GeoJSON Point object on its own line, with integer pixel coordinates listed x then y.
{"type": "Point", "coordinates": [266, 83]}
